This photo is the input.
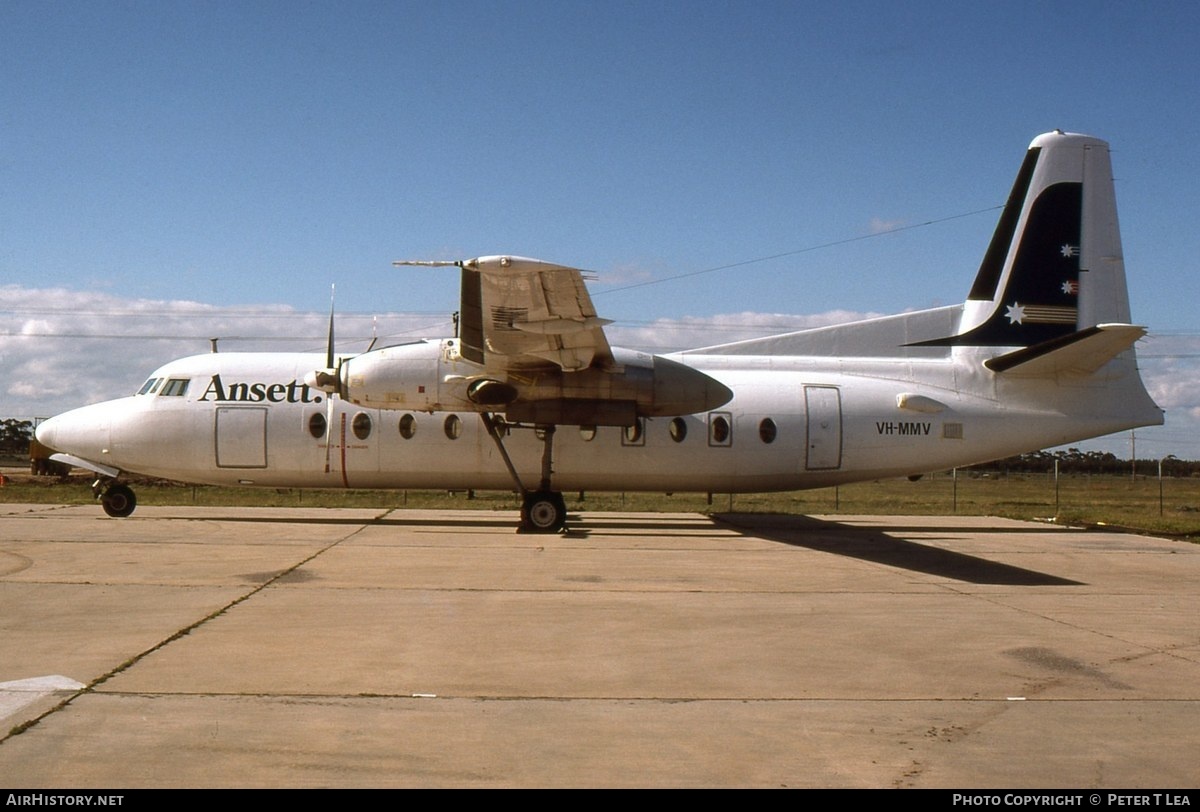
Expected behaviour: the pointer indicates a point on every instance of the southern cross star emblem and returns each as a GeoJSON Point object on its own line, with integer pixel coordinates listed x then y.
{"type": "Point", "coordinates": [1069, 250]}
{"type": "Point", "coordinates": [1015, 314]}
{"type": "Point", "coordinates": [1070, 286]}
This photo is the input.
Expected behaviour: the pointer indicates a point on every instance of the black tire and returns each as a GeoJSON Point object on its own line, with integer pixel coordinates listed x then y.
{"type": "Point", "coordinates": [544, 512]}
{"type": "Point", "coordinates": [118, 501]}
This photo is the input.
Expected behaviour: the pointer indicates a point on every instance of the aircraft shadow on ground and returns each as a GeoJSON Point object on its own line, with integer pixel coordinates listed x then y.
{"type": "Point", "coordinates": [577, 525]}
{"type": "Point", "coordinates": [874, 544]}
{"type": "Point", "coordinates": [877, 545]}
{"type": "Point", "coordinates": [388, 520]}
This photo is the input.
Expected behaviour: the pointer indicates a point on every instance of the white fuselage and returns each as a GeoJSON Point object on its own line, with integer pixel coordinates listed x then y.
{"type": "Point", "coordinates": [793, 423]}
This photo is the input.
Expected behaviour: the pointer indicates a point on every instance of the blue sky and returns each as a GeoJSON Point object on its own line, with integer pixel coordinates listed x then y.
{"type": "Point", "coordinates": [249, 154]}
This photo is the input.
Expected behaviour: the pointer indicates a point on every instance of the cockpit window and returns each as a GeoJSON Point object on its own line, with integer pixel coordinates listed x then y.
{"type": "Point", "coordinates": [175, 387]}
{"type": "Point", "coordinates": [149, 386]}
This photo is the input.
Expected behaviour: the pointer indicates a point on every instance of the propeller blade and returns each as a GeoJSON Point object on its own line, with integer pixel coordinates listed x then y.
{"type": "Point", "coordinates": [329, 378]}
{"type": "Point", "coordinates": [329, 415]}
{"type": "Point", "coordinates": [329, 348]}
{"type": "Point", "coordinates": [374, 333]}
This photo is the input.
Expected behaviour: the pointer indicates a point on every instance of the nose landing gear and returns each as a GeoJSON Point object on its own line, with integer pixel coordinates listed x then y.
{"type": "Point", "coordinates": [118, 500]}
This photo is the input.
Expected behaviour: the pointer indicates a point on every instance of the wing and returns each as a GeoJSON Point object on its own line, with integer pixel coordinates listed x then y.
{"type": "Point", "coordinates": [520, 314]}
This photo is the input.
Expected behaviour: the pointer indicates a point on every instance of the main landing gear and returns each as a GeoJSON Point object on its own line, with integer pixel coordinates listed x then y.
{"type": "Point", "coordinates": [543, 510]}
{"type": "Point", "coordinates": [117, 499]}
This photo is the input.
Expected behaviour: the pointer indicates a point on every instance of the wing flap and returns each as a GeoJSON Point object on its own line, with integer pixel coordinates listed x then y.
{"type": "Point", "coordinates": [560, 326]}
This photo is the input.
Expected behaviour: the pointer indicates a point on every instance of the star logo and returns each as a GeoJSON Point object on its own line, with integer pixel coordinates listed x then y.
{"type": "Point", "coordinates": [1015, 314]}
{"type": "Point", "coordinates": [1069, 250]}
{"type": "Point", "coordinates": [1070, 286]}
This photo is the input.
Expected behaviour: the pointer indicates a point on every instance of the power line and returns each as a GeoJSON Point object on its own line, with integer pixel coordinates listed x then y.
{"type": "Point", "coordinates": [215, 312]}
{"type": "Point", "coordinates": [405, 333]}
{"type": "Point", "coordinates": [798, 251]}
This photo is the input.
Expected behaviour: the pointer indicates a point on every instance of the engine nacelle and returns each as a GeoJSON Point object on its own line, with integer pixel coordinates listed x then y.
{"type": "Point", "coordinates": [407, 376]}
{"type": "Point", "coordinates": [433, 376]}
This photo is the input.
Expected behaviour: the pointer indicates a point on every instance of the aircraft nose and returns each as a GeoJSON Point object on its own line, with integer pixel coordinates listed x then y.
{"type": "Point", "coordinates": [47, 433]}
{"type": "Point", "coordinates": [83, 432]}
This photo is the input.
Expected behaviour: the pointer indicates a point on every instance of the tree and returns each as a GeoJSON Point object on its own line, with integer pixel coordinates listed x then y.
{"type": "Point", "coordinates": [15, 436]}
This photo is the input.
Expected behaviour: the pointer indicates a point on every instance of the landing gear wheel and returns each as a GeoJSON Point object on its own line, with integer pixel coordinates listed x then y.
{"type": "Point", "coordinates": [118, 501]}
{"type": "Point", "coordinates": [544, 512]}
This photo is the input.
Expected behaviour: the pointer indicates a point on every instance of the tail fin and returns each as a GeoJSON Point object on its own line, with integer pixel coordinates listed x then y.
{"type": "Point", "coordinates": [1054, 266]}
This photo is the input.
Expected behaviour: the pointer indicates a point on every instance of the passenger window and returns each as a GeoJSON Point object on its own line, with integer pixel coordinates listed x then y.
{"type": "Point", "coordinates": [719, 430]}
{"type": "Point", "coordinates": [316, 425]}
{"type": "Point", "coordinates": [633, 435]}
{"type": "Point", "coordinates": [176, 387]}
{"type": "Point", "coordinates": [767, 430]}
{"type": "Point", "coordinates": [453, 427]}
{"type": "Point", "coordinates": [408, 426]}
{"type": "Point", "coordinates": [588, 433]}
{"type": "Point", "coordinates": [678, 429]}
{"type": "Point", "coordinates": [361, 425]}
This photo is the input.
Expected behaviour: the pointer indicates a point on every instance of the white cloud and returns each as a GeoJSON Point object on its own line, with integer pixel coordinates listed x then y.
{"type": "Point", "coordinates": [627, 273]}
{"type": "Point", "coordinates": [880, 226]}
{"type": "Point", "coordinates": [61, 348]}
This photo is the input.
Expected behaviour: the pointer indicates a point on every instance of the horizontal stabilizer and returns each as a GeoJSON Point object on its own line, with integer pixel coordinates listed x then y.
{"type": "Point", "coordinates": [1080, 353]}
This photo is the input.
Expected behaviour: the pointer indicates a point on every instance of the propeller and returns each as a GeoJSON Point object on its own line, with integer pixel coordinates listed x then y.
{"type": "Point", "coordinates": [329, 381]}
{"type": "Point", "coordinates": [495, 264]}
{"type": "Point", "coordinates": [431, 263]}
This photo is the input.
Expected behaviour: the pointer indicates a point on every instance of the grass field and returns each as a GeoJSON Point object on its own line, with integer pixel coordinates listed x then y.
{"type": "Point", "coordinates": [1089, 500]}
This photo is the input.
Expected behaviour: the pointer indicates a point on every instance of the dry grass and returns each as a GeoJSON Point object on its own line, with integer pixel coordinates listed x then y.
{"type": "Point", "coordinates": [1091, 500]}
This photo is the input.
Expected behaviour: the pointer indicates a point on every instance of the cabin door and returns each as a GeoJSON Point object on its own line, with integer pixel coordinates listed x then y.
{"type": "Point", "coordinates": [241, 439]}
{"type": "Point", "coordinates": [823, 449]}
